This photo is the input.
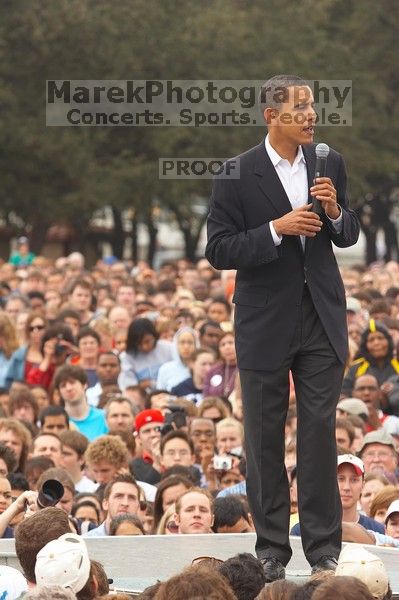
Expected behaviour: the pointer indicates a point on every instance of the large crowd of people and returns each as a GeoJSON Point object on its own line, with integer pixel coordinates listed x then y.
{"type": "Point", "coordinates": [121, 383]}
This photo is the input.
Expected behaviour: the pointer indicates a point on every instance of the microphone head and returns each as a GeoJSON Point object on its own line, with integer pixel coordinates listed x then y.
{"type": "Point", "coordinates": [322, 150]}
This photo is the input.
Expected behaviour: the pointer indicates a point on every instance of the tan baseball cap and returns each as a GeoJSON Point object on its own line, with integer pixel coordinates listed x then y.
{"type": "Point", "coordinates": [355, 561]}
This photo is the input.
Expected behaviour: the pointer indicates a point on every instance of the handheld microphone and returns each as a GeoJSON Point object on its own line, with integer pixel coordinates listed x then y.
{"type": "Point", "coordinates": [322, 151]}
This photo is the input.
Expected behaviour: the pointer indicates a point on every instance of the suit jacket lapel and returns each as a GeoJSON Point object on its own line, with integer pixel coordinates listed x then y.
{"type": "Point", "coordinates": [269, 181]}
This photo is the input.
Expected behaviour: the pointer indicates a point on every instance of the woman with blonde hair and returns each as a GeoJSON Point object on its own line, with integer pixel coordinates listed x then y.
{"type": "Point", "coordinates": [8, 344]}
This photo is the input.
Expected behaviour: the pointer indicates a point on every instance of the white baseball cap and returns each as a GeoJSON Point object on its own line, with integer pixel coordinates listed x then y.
{"type": "Point", "coordinates": [393, 508]}
{"type": "Point", "coordinates": [12, 583]}
{"type": "Point", "coordinates": [351, 459]}
{"type": "Point", "coordinates": [64, 562]}
{"type": "Point", "coordinates": [355, 561]}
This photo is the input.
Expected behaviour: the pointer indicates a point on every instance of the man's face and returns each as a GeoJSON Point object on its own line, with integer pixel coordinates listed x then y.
{"type": "Point", "coordinates": [350, 486]}
{"type": "Point", "coordinates": [70, 459]}
{"type": "Point", "coordinates": [126, 296]}
{"type": "Point", "coordinates": [203, 433]}
{"type": "Point", "coordinates": [227, 439]}
{"type": "Point", "coordinates": [366, 388]}
{"type": "Point", "coordinates": [230, 477]}
{"type": "Point", "coordinates": [124, 498]}
{"type": "Point", "coordinates": [55, 424]}
{"type": "Point", "coordinates": [24, 412]}
{"type": "Point", "coordinates": [218, 312]}
{"type": "Point", "coordinates": [195, 514]}
{"type": "Point", "coordinates": [119, 318]}
{"type": "Point", "coordinates": [242, 526]}
{"type": "Point", "coordinates": [392, 526]}
{"type": "Point", "coordinates": [80, 298]}
{"type": "Point", "coordinates": [119, 416]}
{"type": "Point", "coordinates": [10, 439]}
{"type": "Point", "coordinates": [295, 119]}
{"type": "Point", "coordinates": [176, 452]}
{"type": "Point", "coordinates": [66, 501]}
{"type": "Point", "coordinates": [379, 458]}
{"type": "Point", "coordinates": [103, 471]}
{"type": "Point", "coordinates": [108, 369]}
{"type": "Point", "coordinates": [72, 391]}
{"type": "Point", "coordinates": [342, 437]}
{"type": "Point", "coordinates": [88, 347]}
{"type": "Point", "coordinates": [149, 434]}
{"type": "Point", "coordinates": [48, 445]}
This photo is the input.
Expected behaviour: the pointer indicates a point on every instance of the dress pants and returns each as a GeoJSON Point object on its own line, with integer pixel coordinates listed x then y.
{"type": "Point", "coordinates": [317, 375]}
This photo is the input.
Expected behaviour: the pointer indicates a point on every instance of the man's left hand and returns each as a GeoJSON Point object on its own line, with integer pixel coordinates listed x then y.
{"type": "Point", "coordinates": [325, 192]}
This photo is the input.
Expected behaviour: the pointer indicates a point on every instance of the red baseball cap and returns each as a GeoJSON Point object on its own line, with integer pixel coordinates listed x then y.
{"type": "Point", "coordinates": [148, 416]}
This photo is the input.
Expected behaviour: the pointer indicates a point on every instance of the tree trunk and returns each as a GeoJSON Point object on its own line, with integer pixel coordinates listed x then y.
{"type": "Point", "coordinates": [37, 236]}
{"type": "Point", "coordinates": [134, 238]}
{"type": "Point", "coordinates": [118, 235]}
{"type": "Point", "coordinates": [152, 234]}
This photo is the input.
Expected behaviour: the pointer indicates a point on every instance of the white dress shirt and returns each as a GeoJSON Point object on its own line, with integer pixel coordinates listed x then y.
{"type": "Point", "coordinates": [294, 179]}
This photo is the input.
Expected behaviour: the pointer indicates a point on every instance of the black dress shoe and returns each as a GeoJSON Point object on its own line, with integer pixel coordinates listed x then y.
{"type": "Point", "coordinates": [325, 563]}
{"type": "Point", "coordinates": [273, 569]}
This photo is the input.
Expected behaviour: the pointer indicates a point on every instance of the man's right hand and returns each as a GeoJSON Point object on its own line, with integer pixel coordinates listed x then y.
{"type": "Point", "coordinates": [300, 221]}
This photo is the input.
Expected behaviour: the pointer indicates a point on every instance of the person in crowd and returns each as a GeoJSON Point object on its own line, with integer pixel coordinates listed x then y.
{"type": "Point", "coordinates": [107, 371]}
{"type": "Point", "coordinates": [194, 511]}
{"type": "Point", "coordinates": [220, 379]}
{"type": "Point", "coordinates": [358, 562]}
{"type": "Point", "coordinates": [30, 355]}
{"type": "Point", "coordinates": [192, 388]}
{"type": "Point", "coordinates": [375, 357]}
{"type": "Point", "coordinates": [63, 477]}
{"type": "Point", "coordinates": [196, 582]}
{"type": "Point", "coordinates": [42, 396]}
{"type": "Point", "coordinates": [86, 511]}
{"type": "Point", "coordinates": [71, 383]}
{"type": "Point", "coordinates": [71, 318]}
{"type": "Point", "coordinates": [350, 476]}
{"type": "Point", "coordinates": [73, 448]}
{"type": "Point", "coordinates": [210, 333]}
{"type": "Point", "coordinates": [49, 445]}
{"type": "Point", "coordinates": [232, 516]}
{"type": "Point", "coordinates": [8, 345]}
{"type": "Point", "coordinates": [56, 345]}
{"type": "Point", "coordinates": [121, 496]}
{"type": "Point", "coordinates": [173, 372]}
{"type": "Point", "coordinates": [144, 355]}
{"type": "Point", "coordinates": [148, 424]}
{"type": "Point", "coordinates": [88, 342]}
{"type": "Point", "coordinates": [119, 414]}
{"type": "Point", "coordinates": [382, 501]}
{"type": "Point", "coordinates": [54, 419]}
{"type": "Point", "coordinates": [168, 491]}
{"type": "Point", "coordinates": [176, 448]}
{"type": "Point", "coordinates": [126, 524]}
{"type": "Point", "coordinates": [373, 483]}
{"type": "Point", "coordinates": [80, 299]}
{"type": "Point", "coordinates": [378, 452]}
{"type": "Point", "coordinates": [344, 434]}
{"type": "Point", "coordinates": [17, 437]}
{"type": "Point", "coordinates": [23, 405]}
{"type": "Point", "coordinates": [8, 461]}
{"type": "Point", "coordinates": [213, 407]}
{"type": "Point", "coordinates": [22, 257]}
{"type": "Point", "coordinates": [229, 437]}
{"type": "Point", "coordinates": [244, 574]}
{"type": "Point", "coordinates": [35, 466]}
{"type": "Point", "coordinates": [106, 457]}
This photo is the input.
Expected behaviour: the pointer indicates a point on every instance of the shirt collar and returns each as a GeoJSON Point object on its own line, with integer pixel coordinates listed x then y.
{"type": "Point", "coordinates": [276, 158]}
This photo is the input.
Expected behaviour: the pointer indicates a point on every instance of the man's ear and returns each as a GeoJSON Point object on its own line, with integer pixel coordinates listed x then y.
{"type": "Point", "coordinates": [270, 114]}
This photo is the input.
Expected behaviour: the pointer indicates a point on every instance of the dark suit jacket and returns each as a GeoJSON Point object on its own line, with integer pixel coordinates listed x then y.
{"type": "Point", "coordinates": [270, 279]}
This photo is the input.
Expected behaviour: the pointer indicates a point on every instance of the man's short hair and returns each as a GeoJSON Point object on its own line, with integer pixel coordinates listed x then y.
{"type": "Point", "coordinates": [244, 574]}
{"type": "Point", "coordinates": [88, 332]}
{"type": "Point", "coordinates": [75, 440]}
{"type": "Point", "coordinates": [176, 434]}
{"type": "Point", "coordinates": [228, 511]}
{"type": "Point", "coordinates": [68, 373]}
{"type": "Point", "coordinates": [110, 448]}
{"type": "Point", "coordinates": [345, 588]}
{"type": "Point", "coordinates": [42, 433]}
{"type": "Point", "coordinates": [33, 533]}
{"type": "Point", "coordinates": [197, 490]}
{"type": "Point", "coordinates": [122, 478]}
{"type": "Point", "coordinates": [274, 92]}
{"type": "Point", "coordinates": [53, 411]}
{"type": "Point", "coordinates": [83, 283]}
{"type": "Point", "coordinates": [196, 582]}
{"type": "Point", "coordinates": [118, 400]}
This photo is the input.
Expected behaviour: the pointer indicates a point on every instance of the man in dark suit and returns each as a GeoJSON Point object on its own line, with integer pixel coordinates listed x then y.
{"type": "Point", "coordinates": [290, 315]}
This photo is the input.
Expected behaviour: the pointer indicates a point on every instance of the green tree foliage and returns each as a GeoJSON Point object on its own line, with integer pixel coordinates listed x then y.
{"type": "Point", "coordinates": [55, 174]}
